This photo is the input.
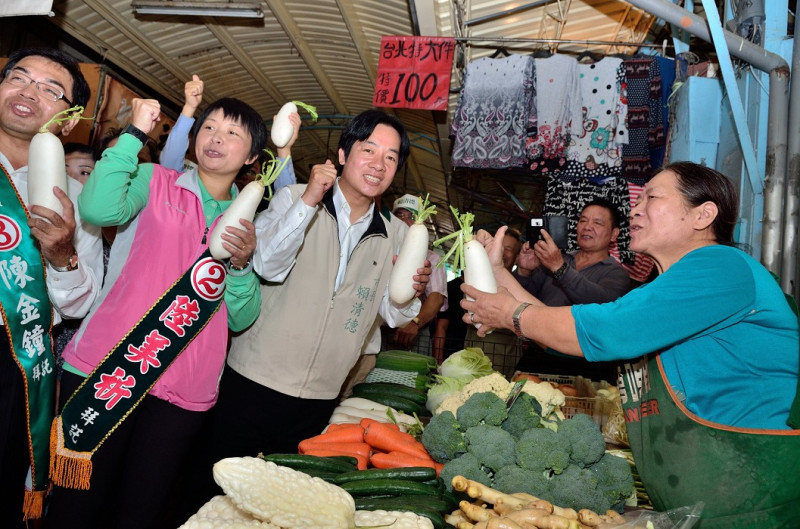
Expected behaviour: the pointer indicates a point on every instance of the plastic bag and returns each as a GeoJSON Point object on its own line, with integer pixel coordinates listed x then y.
{"type": "Point", "coordinates": [680, 518]}
{"type": "Point", "coordinates": [614, 429]}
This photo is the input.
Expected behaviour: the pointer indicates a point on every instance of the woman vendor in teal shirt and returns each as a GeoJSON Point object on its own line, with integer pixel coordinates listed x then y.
{"type": "Point", "coordinates": [709, 353]}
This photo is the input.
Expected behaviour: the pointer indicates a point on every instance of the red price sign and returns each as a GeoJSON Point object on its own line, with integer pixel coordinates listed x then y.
{"type": "Point", "coordinates": [414, 72]}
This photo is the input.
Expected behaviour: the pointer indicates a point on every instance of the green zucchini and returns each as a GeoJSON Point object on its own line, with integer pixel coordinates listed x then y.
{"type": "Point", "coordinates": [305, 462]}
{"type": "Point", "coordinates": [422, 474]}
{"type": "Point", "coordinates": [397, 487]}
{"type": "Point", "coordinates": [393, 389]}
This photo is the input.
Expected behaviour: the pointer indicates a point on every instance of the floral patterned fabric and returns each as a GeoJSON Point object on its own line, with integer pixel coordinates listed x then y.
{"type": "Point", "coordinates": [493, 113]}
{"type": "Point", "coordinates": [594, 152]}
{"type": "Point", "coordinates": [558, 104]}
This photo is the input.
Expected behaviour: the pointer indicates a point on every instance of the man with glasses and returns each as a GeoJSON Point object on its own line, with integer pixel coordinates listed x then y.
{"type": "Point", "coordinates": [51, 268]}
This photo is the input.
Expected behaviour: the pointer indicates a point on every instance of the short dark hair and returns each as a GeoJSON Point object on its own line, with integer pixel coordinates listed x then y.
{"type": "Point", "coordinates": [243, 113]}
{"type": "Point", "coordinates": [80, 88]}
{"type": "Point", "coordinates": [361, 127]}
{"type": "Point", "coordinates": [112, 134]}
{"type": "Point", "coordinates": [616, 218]}
{"type": "Point", "coordinates": [698, 184]}
{"type": "Point", "coordinates": [71, 147]}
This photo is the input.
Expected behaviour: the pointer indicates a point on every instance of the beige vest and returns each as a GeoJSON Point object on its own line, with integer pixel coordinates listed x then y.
{"type": "Point", "coordinates": [307, 336]}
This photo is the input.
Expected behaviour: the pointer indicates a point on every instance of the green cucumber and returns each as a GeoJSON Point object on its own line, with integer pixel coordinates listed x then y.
{"type": "Point", "coordinates": [406, 504]}
{"type": "Point", "coordinates": [398, 403]}
{"type": "Point", "coordinates": [397, 487]}
{"type": "Point", "coordinates": [303, 462]}
{"type": "Point", "coordinates": [391, 388]}
{"type": "Point", "coordinates": [422, 474]}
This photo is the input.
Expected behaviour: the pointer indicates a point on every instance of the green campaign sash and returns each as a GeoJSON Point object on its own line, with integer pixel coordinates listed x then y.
{"type": "Point", "coordinates": [124, 377]}
{"type": "Point", "coordinates": [28, 319]}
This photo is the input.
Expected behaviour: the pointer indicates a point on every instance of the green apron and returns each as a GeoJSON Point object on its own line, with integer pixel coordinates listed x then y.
{"type": "Point", "coordinates": [748, 478]}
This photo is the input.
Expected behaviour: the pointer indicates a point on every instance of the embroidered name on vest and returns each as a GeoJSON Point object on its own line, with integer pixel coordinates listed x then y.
{"type": "Point", "coordinates": [637, 377]}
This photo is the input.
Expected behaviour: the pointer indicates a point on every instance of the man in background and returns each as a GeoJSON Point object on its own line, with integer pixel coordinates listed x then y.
{"type": "Point", "coordinates": [558, 279]}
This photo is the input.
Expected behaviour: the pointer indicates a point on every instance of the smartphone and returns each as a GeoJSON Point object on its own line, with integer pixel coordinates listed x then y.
{"type": "Point", "coordinates": [556, 226]}
{"type": "Point", "coordinates": [534, 231]}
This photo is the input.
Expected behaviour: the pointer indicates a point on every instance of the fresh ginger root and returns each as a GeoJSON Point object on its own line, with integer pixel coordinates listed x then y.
{"type": "Point", "coordinates": [475, 512]}
{"type": "Point", "coordinates": [502, 522]}
{"type": "Point", "coordinates": [484, 493]}
{"type": "Point", "coordinates": [569, 514]}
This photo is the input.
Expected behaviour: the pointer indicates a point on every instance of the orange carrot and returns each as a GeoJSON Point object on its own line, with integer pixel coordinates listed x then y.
{"type": "Point", "coordinates": [400, 460]}
{"type": "Point", "coordinates": [342, 426]}
{"type": "Point", "coordinates": [363, 461]}
{"type": "Point", "coordinates": [342, 435]}
{"type": "Point", "coordinates": [366, 421]}
{"type": "Point", "coordinates": [383, 437]}
{"type": "Point", "coordinates": [355, 448]}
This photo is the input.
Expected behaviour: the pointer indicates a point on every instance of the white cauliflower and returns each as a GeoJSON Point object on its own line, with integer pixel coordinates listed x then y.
{"type": "Point", "coordinates": [549, 397]}
{"type": "Point", "coordinates": [494, 383]}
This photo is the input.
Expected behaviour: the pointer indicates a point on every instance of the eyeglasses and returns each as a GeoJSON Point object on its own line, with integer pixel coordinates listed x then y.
{"type": "Point", "coordinates": [49, 91]}
{"type": "Point", "coordinates": [403, 214]}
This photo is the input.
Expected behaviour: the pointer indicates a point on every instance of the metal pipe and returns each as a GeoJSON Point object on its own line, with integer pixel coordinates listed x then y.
{"type": "Point", "coordinates": [789, 271]}
{"type": "Point", "coordinates": [777, 126]}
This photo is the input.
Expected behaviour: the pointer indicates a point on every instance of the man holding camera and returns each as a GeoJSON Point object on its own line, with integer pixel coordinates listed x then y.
{"type": "Point", "coordinates": [558, 279]}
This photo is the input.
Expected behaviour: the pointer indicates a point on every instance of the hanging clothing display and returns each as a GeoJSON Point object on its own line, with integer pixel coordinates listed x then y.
{"type": "Point", "coordinates": [594, 153]}
{"type": "Point", "coordinates": [492, 116]}
{"type": "Point", "coordinates": [666, 67]}
{"type": "Point", "coordinates": [645, 121]}
{"type": "Point", "coordinates": [568, 198]}
{"type": "Point", "coordinates": [558, 105]}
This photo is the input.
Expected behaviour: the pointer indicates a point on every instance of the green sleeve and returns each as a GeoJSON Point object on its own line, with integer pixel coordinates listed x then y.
{"type": "Point", "coordinates": [118, 188]}
{"type": "Point", "coordinates": [243, 300]}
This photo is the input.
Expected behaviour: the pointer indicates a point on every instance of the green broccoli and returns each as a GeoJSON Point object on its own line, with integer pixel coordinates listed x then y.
{"type": "Point", "coordinates": [588, 445]}
{"type": "Point", "coordinates": [466, 465]}
{"type": "Point", "coordinates": [442, 438]}
{"type": "Point", "coordinates": [614, 479]}
{"type": "Point", "coordinates": [482, 408]}
{"type": "Point", "coordinates": [523, 415]}
{"type": "Point", "coordinates": [493, 446]}
{"type": "Point", "coordinates": [511, 479]}
{"type": "Point", "coordinates": [541, 449]}
{"type": "Point", "coordinates": [576, 488]}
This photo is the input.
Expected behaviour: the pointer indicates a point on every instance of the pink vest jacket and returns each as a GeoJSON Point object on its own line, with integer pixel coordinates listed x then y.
{"type": "Point", "coordinates": [168, 238]}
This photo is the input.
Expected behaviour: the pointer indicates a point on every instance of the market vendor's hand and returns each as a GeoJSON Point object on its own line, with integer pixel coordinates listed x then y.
{"type": "Point", "coordinates": [421, 278]}
{"type": "Point", "coordinates": [241, 243]}
{"type": "Point", "coordinates": [548, 252]}
{"type": "Point", "coordinates": [405, 335]}
{"type": "Point", "coordinates": [527, 260]}
{"type": "Point", "coordinates": [493, 246]}
{"type": "Point", "coordinates": [54, 232]}
{"type": "Point", "coordinates": [492, 311]}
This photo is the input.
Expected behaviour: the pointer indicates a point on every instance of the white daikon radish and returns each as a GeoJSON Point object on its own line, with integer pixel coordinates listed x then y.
{"type": "Point", "coordinates": [411, 257]}
{"type": "Point", "coordinates": [245, 204]}
{"type": "Point", "coordinates": [471, 256]}
{"type": "Point", "coordinates": [46, 167]}
{"type": "Point", "coordinates": [282, 129]}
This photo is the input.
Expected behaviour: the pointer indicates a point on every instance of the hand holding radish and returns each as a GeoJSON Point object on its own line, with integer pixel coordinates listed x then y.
{"type": "Point", "coordinates": [413, 252]}
{"type": "Point", "coordinates": [54, 232]}
{"type": "Point", "coordinates": [286, 150]}
{"type": "Point", "coordinates": [240, 243]}
{"type": "Point", "coordinates": [488, 311]}
{"type": "Point", "coordinates": [320, 180]}
{"type": "Point", "coordinates": [145, 114]}
{"type": "Point", "coordinates": [193, 96]}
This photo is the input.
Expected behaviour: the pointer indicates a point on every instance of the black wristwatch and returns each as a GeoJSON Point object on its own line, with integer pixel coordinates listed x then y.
{"type": "Point", "coordinates": [560, 271]}
{"type": "Point", "coordinates": [136, 132]}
